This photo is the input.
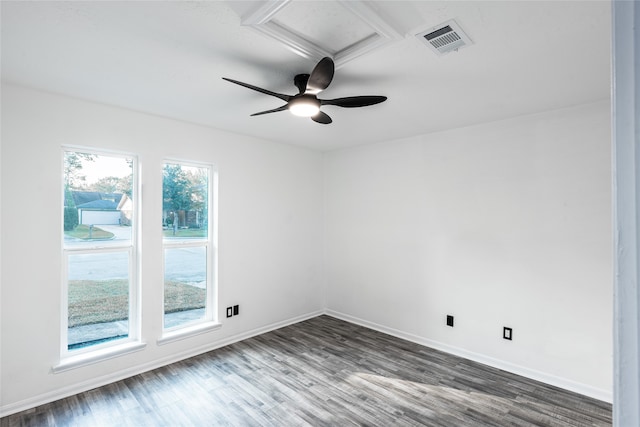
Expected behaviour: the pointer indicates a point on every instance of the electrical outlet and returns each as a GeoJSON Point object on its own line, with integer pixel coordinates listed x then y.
{"type": "Point", "coordinates": [449, 320]}
{"type": "Point", "coordinates": [236, 310]}
{"type": "Point", "coordinates": [229, 311]}
{"type": "Point", "coordinates": [507, 333]}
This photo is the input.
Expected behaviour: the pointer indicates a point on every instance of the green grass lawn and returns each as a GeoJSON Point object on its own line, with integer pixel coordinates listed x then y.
{"type": "Point", "coordinates": [98, 301]}
{"type": "Point", "coordinates": [82, 232]}
{"type": "Point", "coordinates": [186, 232]}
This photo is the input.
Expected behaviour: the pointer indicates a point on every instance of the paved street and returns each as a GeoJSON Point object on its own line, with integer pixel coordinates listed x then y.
{"type": "Point", "coordinates": [181, 264]}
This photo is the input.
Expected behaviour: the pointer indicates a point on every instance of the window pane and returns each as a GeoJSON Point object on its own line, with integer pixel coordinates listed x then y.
{"type": "Point", "coordinates": [185, 285]}
{"type": "Point", "coordinates": [185, 204]}
{"type": "Point", "coordinates": [98, 205]}
{"type": "Point", "coordinates": [98, 298]}
{"type": "Point", "coordinates": [185, 212]}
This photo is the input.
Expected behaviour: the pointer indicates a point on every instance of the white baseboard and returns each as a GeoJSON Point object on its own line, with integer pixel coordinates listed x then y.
{"type": "Point", "coordinates": [48, 397]}
{"type": "Point", "coordinates": [584, 389]}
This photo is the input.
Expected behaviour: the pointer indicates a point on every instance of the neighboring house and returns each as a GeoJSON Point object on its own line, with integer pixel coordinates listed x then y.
{"type": "Point", "coordinates": [125, 206]}
{"type": "Point", "coordinates": [102, 208]}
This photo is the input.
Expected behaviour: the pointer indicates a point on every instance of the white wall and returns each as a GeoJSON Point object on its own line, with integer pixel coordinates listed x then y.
{"type": "Point", "coordinates": [270, 216]}
{"type": "Point", "coordinates": [502, 224]}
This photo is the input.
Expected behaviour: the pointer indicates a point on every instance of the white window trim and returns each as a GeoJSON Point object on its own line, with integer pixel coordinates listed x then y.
{"type": "Point", "coordinates": [210, 321]}
{"type": "Point", "coordinates": [187, 331]}
{"type": "Point", "coordinates": [97, 355]}
{"type": "Point", "coordinates": [70, 359]}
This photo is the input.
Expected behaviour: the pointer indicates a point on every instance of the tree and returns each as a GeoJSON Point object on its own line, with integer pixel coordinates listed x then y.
{"type": "Point", "coordinates": [108, 184]}
{"type": "Point", "coordinates": [125, 185]}
{"type": "Point", "coordinates": [176, 189]}
{"type": "Point", "coordinates": [198, 182]}
{"type": "Point", "coordinates": [70, 210]}
{"type": "Point", "coordinates": [185, 193]}
{"type": "Point", "coordinates": [73, 167]}
{"type": "Point", "coordinates": [113, 184]}
{"type": "Point", "coordinates": [73, 178]}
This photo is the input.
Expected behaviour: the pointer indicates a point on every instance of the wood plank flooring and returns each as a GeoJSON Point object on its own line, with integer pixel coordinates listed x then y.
{"type": "Point", "coordinates": [322, 372]}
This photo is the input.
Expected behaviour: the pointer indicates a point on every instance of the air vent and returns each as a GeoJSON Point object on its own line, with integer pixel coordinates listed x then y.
{"type": "Point", "coordinates": [445, 38]}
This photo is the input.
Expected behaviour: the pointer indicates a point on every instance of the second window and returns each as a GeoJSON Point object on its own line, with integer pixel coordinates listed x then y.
{"type": "Point", "coordinates": [187, 244]}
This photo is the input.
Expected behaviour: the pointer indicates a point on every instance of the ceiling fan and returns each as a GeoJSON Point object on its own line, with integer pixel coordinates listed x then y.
{"type": "Point", "coordinates": [306, 102]}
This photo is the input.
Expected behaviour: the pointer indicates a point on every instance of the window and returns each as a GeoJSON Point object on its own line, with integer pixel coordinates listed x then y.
{"type": "Point", "coordinates": [189, 255]}
{"type": "Point", "coordinates": [99, 249]}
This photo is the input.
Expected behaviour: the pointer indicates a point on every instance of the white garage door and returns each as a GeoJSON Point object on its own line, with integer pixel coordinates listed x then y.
{"type": "Point", "coordinates": [99, 217]}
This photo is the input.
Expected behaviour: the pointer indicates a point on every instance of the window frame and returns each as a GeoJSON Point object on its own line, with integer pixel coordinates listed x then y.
{"type": "Point", "coordinates": [210, 319]}
{"type": "Point", "coordinates": [70, 359]}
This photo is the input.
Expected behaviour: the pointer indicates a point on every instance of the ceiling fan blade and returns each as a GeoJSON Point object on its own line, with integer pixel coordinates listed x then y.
{"type": "Point", "coordinates": [321, 76]}
{"type": "Point", "coordinates": [259, 89]}
{"type": "Point", "coordinates": [354, 101]}
{"type": "Point", "coordinates": [321, 118]}
{"type": "Point", "coordinates": [275, 110]}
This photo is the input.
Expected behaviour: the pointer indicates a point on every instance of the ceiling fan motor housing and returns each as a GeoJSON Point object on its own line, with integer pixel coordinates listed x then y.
{"type": "Point", "coordinates": [300, 81]}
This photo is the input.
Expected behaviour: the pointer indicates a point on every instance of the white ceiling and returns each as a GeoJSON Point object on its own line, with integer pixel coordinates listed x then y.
{"type": "Point", "coordinates": [167, 58]}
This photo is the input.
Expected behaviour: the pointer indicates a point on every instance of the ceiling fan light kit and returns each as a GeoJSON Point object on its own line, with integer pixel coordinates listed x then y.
{"type": "Point", "coordinates": [304, 106]}
{"type": "Point", "coordinates": [306, 102]}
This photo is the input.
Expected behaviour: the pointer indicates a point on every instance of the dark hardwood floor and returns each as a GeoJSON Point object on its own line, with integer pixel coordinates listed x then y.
{"type": "Point", "coordinates": [322, 372]}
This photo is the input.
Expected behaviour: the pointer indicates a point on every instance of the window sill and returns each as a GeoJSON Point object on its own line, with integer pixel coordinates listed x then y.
{"type": "Point", "coordinates": [188, 332]}
{"type": "Point", "coordinates": [85, 359]}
